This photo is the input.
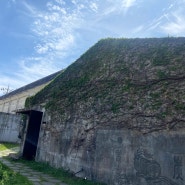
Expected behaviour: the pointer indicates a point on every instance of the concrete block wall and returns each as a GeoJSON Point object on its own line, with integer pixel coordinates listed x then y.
{"type": "Point", "coordinates": [9, 127]}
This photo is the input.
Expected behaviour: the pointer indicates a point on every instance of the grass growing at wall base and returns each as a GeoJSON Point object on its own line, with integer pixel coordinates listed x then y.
{"type": "Point", "coordinates": [61, 174]}
{"type": "Point", "coordinates": [5, 146]}
{"type": "Point", "coordinates": [9, 177]}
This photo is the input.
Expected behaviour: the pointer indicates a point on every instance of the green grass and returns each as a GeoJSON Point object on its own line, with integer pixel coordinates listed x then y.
{"type": "Point", "coordinates": [5, 146]}
{"type": "Point", "coordinates": [60, 174]}
{"type": "Point", "coordinates": [9, 177]}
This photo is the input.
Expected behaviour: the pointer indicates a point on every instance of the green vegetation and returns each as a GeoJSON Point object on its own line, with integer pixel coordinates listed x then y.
{"type": "Point", "coordinates": [5, 146]}
{"type": "Point", "coordinates": [132, 83]}
{"type": "Point", "coordinates": [115, 108]}
{"type": "Point", "coordinates": [161, 74]}
{"type": "Point", "coordinates": [8, 177]}
{"type": "Point", "coordinates": [179, 106]}
{"type": "Point", "coordinates": [64, 176]}
{"type": "Point", "coordinates": [120, 75]}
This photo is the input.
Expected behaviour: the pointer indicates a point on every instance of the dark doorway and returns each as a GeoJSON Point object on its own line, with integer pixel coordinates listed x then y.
{"type": "Point", "coordinates": [32, 133]}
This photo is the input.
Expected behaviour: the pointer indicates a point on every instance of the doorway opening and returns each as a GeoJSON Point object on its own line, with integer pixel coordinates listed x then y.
{"type": "Point", "coordinates": [32, 133]}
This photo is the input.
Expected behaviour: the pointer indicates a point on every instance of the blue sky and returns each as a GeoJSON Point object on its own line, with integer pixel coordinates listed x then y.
{"type": "Point", "coordinates": [38, 38]}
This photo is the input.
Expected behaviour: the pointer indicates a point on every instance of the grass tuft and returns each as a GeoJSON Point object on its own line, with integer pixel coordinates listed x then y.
{"type": "Point", "coordinates": [60, 174]}
{"type": "Point", "coordinates": [5, 146]}
{"type": "Point", "coordinates": [9, 177]}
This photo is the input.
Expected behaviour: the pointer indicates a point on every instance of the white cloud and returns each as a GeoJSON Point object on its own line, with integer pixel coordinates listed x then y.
{"type": "Point", "coordinates": [116, 7]}
{"type": "Point", "coordinates": [156, 23]}
{"type": "Point", "coordinates": [171, 21]}
{"type": "Point", "coordinates": [94, 6]}
{"type": "Point", "coordinates": [62, 28]}
{"type": "Point", "coordinates": [61, 2]}
{"type": "Point", "coordinates": [9, 83]}
{"type": "Point", "coordinates": [34, 68]}
{"type": "Point", "coordinates": [56, 29]}
{"type": "Point", "coordinates": [138, 29]}
{"type": "Point", "coordinates": [30, 9]}
{"type": "Point", "coordinates": [128, 3]}
{"type": "Point", "coordinates": [176, 24]}
{"type": "Point", "coordinates": [54, 34]}
{"type": "Point", "coordinates": [41, 49]}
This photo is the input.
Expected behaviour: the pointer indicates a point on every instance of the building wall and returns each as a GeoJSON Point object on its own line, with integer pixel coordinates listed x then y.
{"type": "Point", "coordinates": [117, 157]}
{"type": "Point", "coordinates": [17, 101]}
{"type": "Point", "coordinates": [113, 155]}
{"type": "Point", "coordinates": [10, 122]}
{"type": "Point", "coordinates": [9, 127]}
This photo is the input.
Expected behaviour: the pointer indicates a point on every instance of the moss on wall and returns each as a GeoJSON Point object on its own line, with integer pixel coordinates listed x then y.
{"type": "Point", "coordinates": [140, 82]}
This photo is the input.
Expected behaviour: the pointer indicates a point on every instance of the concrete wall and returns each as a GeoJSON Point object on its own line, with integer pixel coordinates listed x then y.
{"type": "Point", "coordinates": [118, 157]}
{"type": "Point", "coordinates": [126, 157]}
{"type": "Point", "coordinates": [9, 127]}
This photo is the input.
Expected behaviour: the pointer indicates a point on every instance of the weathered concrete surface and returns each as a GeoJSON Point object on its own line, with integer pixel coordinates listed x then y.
{"type": "Point", "coordinates": [119, 157]}
{"type": "Point", "coordinates": [124, 157]}
{"type": "Point", "coordinates": [117, 114]}
{"type": "Point", "coordinates": [9, 127]}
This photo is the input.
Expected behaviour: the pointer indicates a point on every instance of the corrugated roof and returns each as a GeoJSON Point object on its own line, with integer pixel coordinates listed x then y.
{"type": "Point", "coordinates": [32, 85]}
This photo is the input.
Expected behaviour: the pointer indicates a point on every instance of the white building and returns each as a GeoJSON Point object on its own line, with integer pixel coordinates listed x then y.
{"type": "Point", "coordinates": [16, 99]}
{"type": "Point", "coordinates": [10, 123]}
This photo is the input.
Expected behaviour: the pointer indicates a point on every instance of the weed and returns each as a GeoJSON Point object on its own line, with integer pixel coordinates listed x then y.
{"type": "Point", "coordinates": [61, 174]}
{"type": "Point", "coordinates": [8, 177]}
{"type": "Point", "coordinates": [115, 108]}
{"type": "Point", "coordinates": [5, 146]}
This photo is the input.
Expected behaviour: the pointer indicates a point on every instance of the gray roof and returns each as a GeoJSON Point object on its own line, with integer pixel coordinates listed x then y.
{"type": "Point", "coordinates": [32, 85]}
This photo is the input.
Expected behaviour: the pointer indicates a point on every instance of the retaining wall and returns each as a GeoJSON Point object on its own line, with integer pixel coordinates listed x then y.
{"type": "Point", "coordinates": [9, 127]}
